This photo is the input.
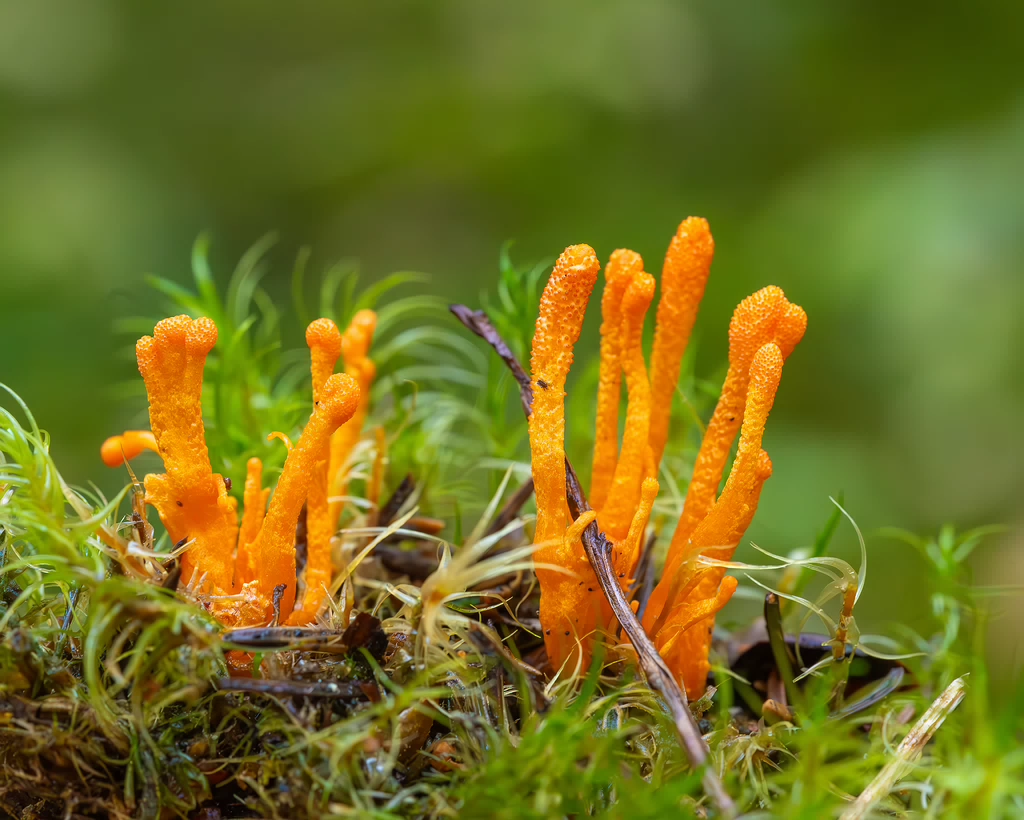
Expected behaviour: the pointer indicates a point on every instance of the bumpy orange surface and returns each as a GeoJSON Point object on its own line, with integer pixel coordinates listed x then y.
{"type": "Point", "coordinates": [626, 553]}
{"type": "Point", "coordinates": [560, 320]}
{"type": "Point", "coordinates": [324, 343]}
{"type": "Point", "coordinates": [238, 568]}
{"type": "Point", "coordinates": [566, 614]}
{"type": "Point", "coordinates": [617, 513]}
{"type": "Point", "coordinates": [254, 502]}
{"type": "Point", "coordinates": [274, 549]}
{"type": "Point", "coordinates": [683, 277]}
{"type": "Point", "coordinates": [618, 273]}
{"type": "Point", "coordinates": [763, 317]}
{"type": "Point", "coordinates": [764, 331]}
{"type": "Point", "coordinates": [192, 501]}
{"type": "Point", "coordinates": [355, 352]}
{"type": "Point", "coordinates": [719, 533]}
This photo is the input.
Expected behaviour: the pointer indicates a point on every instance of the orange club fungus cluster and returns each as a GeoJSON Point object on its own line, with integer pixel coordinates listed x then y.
{"type": "Point", "coordinates": [247, 570]}
{"type": "Point", "coordinates": [765, 328]}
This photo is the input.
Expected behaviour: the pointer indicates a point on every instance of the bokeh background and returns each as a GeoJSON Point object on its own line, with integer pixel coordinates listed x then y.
{"type": "Point", "coordinates": [867, 157]}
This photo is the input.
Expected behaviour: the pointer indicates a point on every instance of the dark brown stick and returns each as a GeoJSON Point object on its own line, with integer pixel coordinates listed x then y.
{"type": "Point", "coordinates": [512, 507]}
{"type": "Point", "coordinates": [297, 688]}
{"type": "Point", "coordinates": [643, 585]}
{"type": "Point", "coordinates": [598, 550]}
{"type": "Point", "coordinates": [412, 562]}
{"type": "Point", "coordinates": [402, 493]}
{"type": "Point", "coordinates": [363, 631]}
{"type": "Point", "coordinates": [480, 323]}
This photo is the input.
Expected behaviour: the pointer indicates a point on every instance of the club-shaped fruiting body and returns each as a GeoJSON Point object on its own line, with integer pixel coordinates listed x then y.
{"type": "Point", "coordinates": [764, 331]}
{"type": "Point", "coordinates": [246, 569]}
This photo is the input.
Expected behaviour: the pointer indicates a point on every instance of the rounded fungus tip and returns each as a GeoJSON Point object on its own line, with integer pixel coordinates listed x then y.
{"type": "Point", "coordinates": [173, 329]}
{"type": "Point", "coordinates": [200, 336]}
{"type": "Point", "coordinates": [791, 328]}
{"type": "Point", "coordinates": [145, 354]}
{"type": "Point", "coordinates": [638, 295]}
{"type": "Point", "coordinates": [111, 452]}
{"type": "Point", "coordinates": [365, 320]}
{"type": "Point", "coordinates": [693, 243]}
{"type": "Point", "coordinates": [577, 257]}
{"type": "Point", "coordinates": [766, 370]}
{"type": "Point", "coordinates": [623, 264]}
{"type": "Point", "coordinates": [563, 305]}
{"type": "Point", "coordinates": [752, 323]}
{"type": "Point", "coordinates": [356, 340]}
{"type": "Point", "coordinates": [116, 450]}
{"type": "Point", "coordinates": [695, 228]}
{"type": "Point", "coordinates": [340, 398]}
{"type": "Point", "coordinates": [324, 334]}
{"type": "Point", "coordinates": [688, 262]}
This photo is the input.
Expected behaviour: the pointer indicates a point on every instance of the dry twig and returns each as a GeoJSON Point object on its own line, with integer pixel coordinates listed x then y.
{"type": "Point", "coordinates": [908, 751]}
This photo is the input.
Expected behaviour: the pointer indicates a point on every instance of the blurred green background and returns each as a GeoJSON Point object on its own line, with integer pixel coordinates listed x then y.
{"type": "Point", "coordinates": [867, 157]}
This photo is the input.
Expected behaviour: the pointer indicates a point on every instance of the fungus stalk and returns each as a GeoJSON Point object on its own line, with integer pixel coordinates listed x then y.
{"type": "Point", "coordinates": [683, 278]}
{"type": "Point", "coordinates": [764, 330]}
{"type": "Point", "coordinates": [619, 272]}
{"type": "Point", "coordinates": [192, 501]}
{"type": "Point", "coordinates": [324, 343]}
{"type": "Point", "coordinates": [274, 550]}
{"type": "Point", "coordinates": [685, 638]}
{"type": "Point", "coordinates": [765, 316]}
{"type": "Point", "coordinates": [635, 457]}
{"type": "Point", "coordinates": [237, 568]}
{"type": "Point", "coordinates": [355, 352]}
{"type": "Point", "coordinates": [560, 320]}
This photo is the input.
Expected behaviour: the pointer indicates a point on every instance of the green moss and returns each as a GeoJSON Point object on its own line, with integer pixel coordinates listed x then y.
{"type": "Point", "coordinates": [116, 699]}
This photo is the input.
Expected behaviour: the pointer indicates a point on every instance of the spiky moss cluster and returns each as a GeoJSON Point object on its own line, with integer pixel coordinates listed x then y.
{"type": "Point", "coordinates": [117, 699]}
{"type": "Point", "coordinates": [417, 692]}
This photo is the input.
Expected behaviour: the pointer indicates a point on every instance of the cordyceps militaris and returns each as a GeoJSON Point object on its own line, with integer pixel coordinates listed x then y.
{"type": "Point", "coordinates": [247, 569]}
{"type": "Point", "coordinates": [765, 329]}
